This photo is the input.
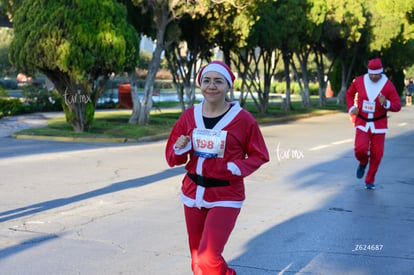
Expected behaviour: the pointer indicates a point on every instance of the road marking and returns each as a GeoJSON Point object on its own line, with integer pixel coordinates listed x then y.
{"type": "Point", "coordinates": [331, 144]}
{"type": "Point", "coordinates": [319, 147]}
{"type": "Point", "coordinates": [343, 141]}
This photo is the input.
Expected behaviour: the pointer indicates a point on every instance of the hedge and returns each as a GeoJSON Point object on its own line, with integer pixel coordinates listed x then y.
{"type": "Point", "coordinates": [11, 106]}
{"type": "Point", "coordinates": [280, 87]}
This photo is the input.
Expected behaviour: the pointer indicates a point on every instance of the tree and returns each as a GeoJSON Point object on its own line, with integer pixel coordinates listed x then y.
{"type": "Point", "coordinates": [77, 45]}
{"type": "Point", "coordinates": [260, 56]}
{"type": "Point", "coordinates": [229, 24]}
{"type": "Point", "coordinates": [6, 36]}
{"type": "Point", "coordinates": [323, 50]}
{"type": "Point", "coordinates": [308, 26]}
{"type": "Point", "coordinates": [184, 56]}
{"type": "Point", "coordinates": [287, 41]}
{"type": "Point", "coordinates": [393, 37]}
{"type": "Point", "coordinates": [164, 13]}
{"type": "Point", "coordinates": [348, 37]}
{"type": "Point", "coordinates": [7, 9]}
{"type": "Point", "coordinates": [320, 46]}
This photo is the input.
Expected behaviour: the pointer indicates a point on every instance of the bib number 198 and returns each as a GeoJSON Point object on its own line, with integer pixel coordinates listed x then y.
{"type": "Point", "coordinates": [209, 143]}
{"type": "Point", "coordinates": [202, 143]}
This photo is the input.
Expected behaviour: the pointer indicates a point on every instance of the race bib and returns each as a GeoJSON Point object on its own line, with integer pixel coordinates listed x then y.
{"type": "Point", "coordinates": [209, 143]}
{"type": "Point", "coordinates": [368, 107]}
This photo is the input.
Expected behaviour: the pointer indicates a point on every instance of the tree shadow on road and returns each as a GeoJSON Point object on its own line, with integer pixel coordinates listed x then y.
{"type": "Point", "coordinates": [11, 147]}
{"type": "Point", "coordinates": [59, 202]}
{"type": "Point", "coordinates": [115, 187]}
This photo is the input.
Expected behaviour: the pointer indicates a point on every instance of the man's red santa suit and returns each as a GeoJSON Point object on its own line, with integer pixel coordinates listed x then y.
{"type": "Point", "coordinates": [364, 98]}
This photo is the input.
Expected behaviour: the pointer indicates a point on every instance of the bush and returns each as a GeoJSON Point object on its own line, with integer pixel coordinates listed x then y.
{"type": "Point", "coordinates": [237, 85]}
{"type": "Point", "coordinates": [163, 74]}
{"type": "Point", "coordinates": [158, 84]}
{"type": "Point", "coordinates": [314, 88]}
{"type": "Point", "coordinates": [11, 106]}
{"type": "Point", "coordinates": [280, 87]}
{"type": "Point", "coordinates": [42, 100]}
{"type": "Point", "coordinates": [3, 92]}
{"type": "Point", "coordinates": [144, 59]}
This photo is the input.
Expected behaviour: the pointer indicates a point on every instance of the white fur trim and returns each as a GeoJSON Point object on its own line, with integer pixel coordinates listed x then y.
{"type": "Point", "coordinates": [199, 196]}
{"type": "Point", "coordinates": [232, 167]}
{"type": "Point", "coordinates": [219, 69]}
{"type": "Point", "coordinates": [180, 151]}
{"type": "Point", "coordinates": [378, 71]}
{"type": "Point", "coordinates": [192, 203]}
{"type": "Point", "coordinates": [374, 88]}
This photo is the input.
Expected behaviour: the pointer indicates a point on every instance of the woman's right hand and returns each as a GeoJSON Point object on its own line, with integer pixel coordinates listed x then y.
{"type": "Point", "coordinates": [355, 111]}
{"type": "Point", "coordinates": [182, 141]}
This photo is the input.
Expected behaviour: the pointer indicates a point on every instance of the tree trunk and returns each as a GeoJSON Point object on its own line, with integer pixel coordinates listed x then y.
{"type": "Point", "coordinates": [180, 93]}
{"type": "Point", "coordinates": [306, 100]}
{"type": "Point", "coordinates": [322, 80]}
{"type": "Point", "coordinates": [346, 78]}
{"type": "Point", "coordinates": [269, 68]}
{"type": "Point", "coordinates": [190, 94]}
{"type": "Point", "coordinates": [79, 109]}
{"type": "Point", "coordinates": [146, 103]}
{"type": "Point", "coordinates": [341, 95]}
{"type": "Point", "coordinates": [75, 115]}
{"type": "Point", "coordinates": [79, 106]}
{"type": "Point", "coordinates": [242, 64]}
{"type": "Point", "coordinates": [136, 105]}
{"type": "Point", "coordinates": [322, 91]}
{"type": "Point", "coordinates": [322, 84]}
{"type": "Point", "coordinates": [286, 105]}
{"type": "Point", "coordinates": [303, 62]}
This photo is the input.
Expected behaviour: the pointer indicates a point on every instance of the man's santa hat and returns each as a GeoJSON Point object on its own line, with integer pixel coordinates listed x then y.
{"type": "Point", "coordinates": [375, 66]}
{"type": "Point", "coordinates": [219, 67]}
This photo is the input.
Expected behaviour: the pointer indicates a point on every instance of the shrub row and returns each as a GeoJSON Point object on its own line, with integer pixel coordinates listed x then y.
{"type": "Point", "coordinates": [35, 100]}
{"type": "Point", "coordinates": [275, 87]}
{"type": "Point", "coordinates": [41, 100]}
{"type": "Point", "coordinates": [159, 84]}
{"type": "Point", "coordinates": [280, 87]}
{"type": "Point", "coordinates": [11, 106]}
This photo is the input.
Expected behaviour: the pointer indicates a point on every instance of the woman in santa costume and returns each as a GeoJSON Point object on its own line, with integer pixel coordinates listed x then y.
{"type": "Point", "coordinates": [369, 98]}
{"type": "Point", "coordinates": [220, 143]}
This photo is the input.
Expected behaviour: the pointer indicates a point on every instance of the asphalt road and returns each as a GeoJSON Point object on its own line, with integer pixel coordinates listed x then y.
{"type": "Point", "coordinates": [88, 208]}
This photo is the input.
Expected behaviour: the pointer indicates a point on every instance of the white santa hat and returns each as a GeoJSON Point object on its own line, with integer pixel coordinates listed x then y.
{"type": "Point", "coordinates": [219, 67]}
{"type": "Point", "coordinates": [375, 66]}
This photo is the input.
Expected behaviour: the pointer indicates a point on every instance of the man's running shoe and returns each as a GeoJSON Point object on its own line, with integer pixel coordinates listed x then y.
{"type": "Point", "coordinates": [360, 171]}
{"type": "Point", "coordinates": [370, 186]}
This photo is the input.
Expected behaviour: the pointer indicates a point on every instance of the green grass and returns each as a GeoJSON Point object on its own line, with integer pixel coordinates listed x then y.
{"type": "Point", "coordinates": [114, 124]}
{"type": "Point", "coordinates": [276, 114]}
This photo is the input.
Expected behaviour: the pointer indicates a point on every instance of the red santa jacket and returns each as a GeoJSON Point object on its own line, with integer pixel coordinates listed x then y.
{"type": "Point", "coordinates": [372, 115]}
{"type": "Point", "coordinates": [244, 152]}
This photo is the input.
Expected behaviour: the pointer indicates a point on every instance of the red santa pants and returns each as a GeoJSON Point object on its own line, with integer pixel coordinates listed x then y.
{"type": "Point", "coordinates": [369, 147]}
{"type": "Point", "coordinates": [208, 231]}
